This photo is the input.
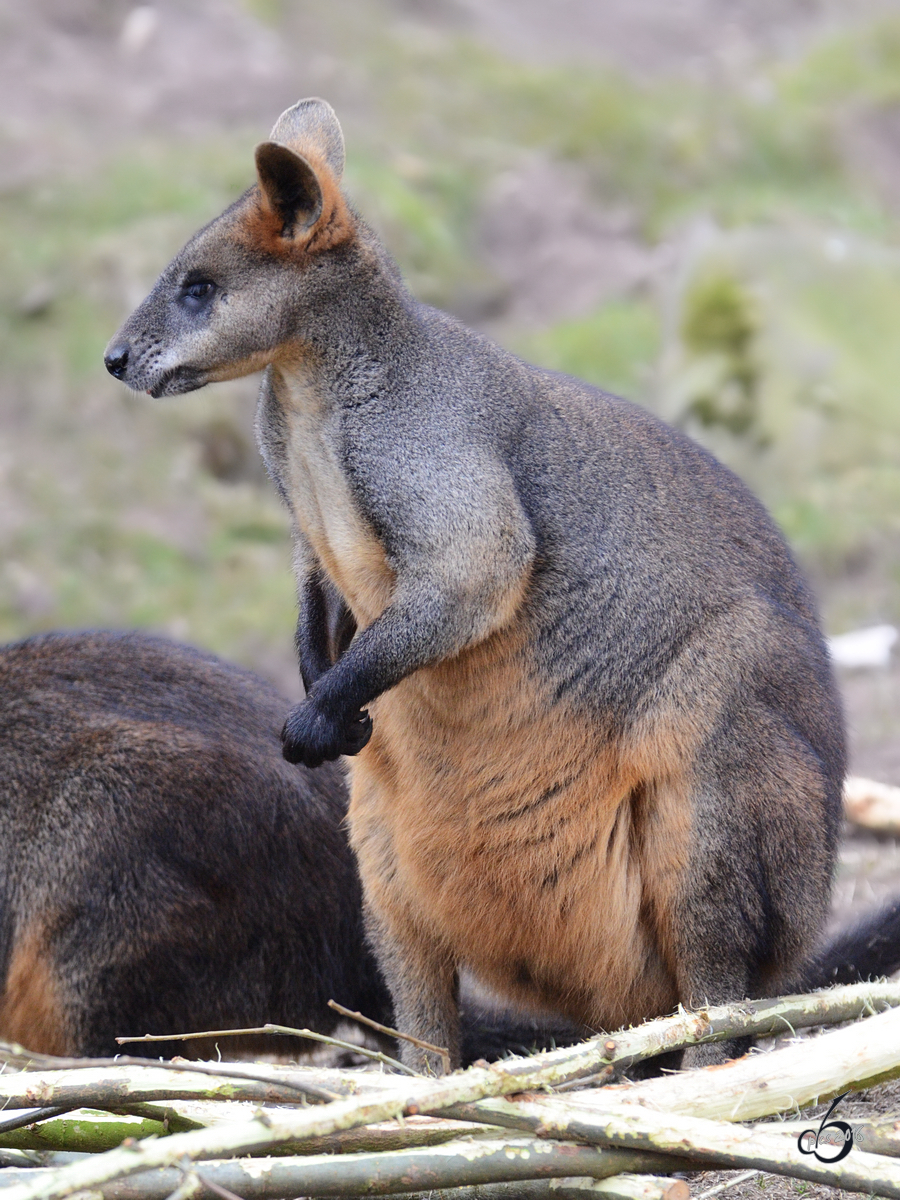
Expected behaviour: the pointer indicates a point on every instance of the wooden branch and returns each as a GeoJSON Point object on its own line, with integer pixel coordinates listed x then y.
{"type": "Point", "coordinates": [757, 1085]}
{"type": "Point", "coordinates": [189, 1188]}
{"type": "Point", "coordinates": [714, 1143]}
{"type": "Point", "coordinates": [393, 1135]}
{"type": "Point", "coordinates": [618, 1187]}
{"type": "Point", "coordinates": [791, 1078]}
{"type": "Point", "coordinates": [93, 1132]}
{"type": "Point", "coordinates": [461, 1163]}
{"type": "Point", "coordinates": [872, 805]}
{"type": "Point", "coordinates": [14, 1055]}
{"type": "Point", "coordinates": [271, 1129]}
{"type": "Point", "coordinates": [76, 1083]}
{"type": "Point", "coordinates": [29, 1116]}
{"type": "Point", "coordinates": [622, 1050]}
{"type": "Point", "coordinates": [16, 1159]}
{"type": "Point", "coordinates": [405, 1096]}
{"type": "Point", "coordinates": [117, 1087]}
{"type": "Point", "coordinates": [171, 1120]}
{"type": "Point", "coordinates": [878, 1136]}
{"type": "Point", "coordinates": [83, 1135]}
{"type": "Point", "coordinates": [394, 1033]}
{"type": "Point", "coordinates": [274, 1129]}
{"type": "Point", "coordinates": [285, 1030]}
{"type": "Point", "coordinates": [732, 1181]}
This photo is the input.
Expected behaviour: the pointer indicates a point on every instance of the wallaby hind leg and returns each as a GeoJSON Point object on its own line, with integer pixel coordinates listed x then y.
{"type": "Point", "coordinates": [424, 983]}
{"type": "Point", "coordinates": [755, 892]}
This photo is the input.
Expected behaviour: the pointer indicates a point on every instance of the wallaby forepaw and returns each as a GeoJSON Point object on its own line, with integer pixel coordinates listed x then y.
{"type": "Point", "coordinates": [312, 736]}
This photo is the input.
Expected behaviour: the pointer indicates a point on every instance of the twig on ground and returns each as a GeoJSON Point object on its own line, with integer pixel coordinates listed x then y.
{"type": "Point", "coordinates": [31, 1116]}
{"type": "Point", "coordinates": [460, 1163]}
{"type": "Point", "coordinates": [712, 1142]}
{"type": "Point", "coordinates": [216, 1188]}
{"type": "Point", "coordinates": [742, 1177]}
{"type": "Point", "coordinates": [111, 1089]}
{"type": "Point", "coordinates": [286, 1031]}
{"type": "Point", "coordinates": [616, 1187]}
{"type": "Point", "coordinates": [84, 1134]}
{"type": "Point", "coordinates": [189, 1187]}
{"type": "Point", "coordinates": [395, 1033]}
{"type": "Point", "coordinates": [620, 1116]}
{"type": "Point", "coordinates": [15, 1159]}
{"type": "Point", "coordinates": [172, 1120]}
{"type": "Point", "coordinates": [268, 1130]}
{"type": "Point", "coordinates": [787, 1079]}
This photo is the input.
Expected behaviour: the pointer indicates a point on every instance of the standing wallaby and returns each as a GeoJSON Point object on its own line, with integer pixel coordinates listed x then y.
{"type": "Point", "coordinates": [599, 750]}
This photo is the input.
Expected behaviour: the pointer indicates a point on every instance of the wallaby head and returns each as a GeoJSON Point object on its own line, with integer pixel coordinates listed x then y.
{"type": "Point", "coordinates": [228, 304]}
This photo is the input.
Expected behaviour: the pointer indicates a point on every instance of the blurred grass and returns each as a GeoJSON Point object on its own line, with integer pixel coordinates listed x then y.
{"type": "Point", "coordinates": [614, 348]}
{"type": "Point", "coordinates": [108, 514]}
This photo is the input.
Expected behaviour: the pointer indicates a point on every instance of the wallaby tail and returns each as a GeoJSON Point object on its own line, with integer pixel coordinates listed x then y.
{"type": "Point", "coordinates": [869, 949]}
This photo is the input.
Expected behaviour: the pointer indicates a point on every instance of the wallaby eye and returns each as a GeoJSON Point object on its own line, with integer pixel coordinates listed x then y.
{"type": "Point", "coordinates": [198, 293]}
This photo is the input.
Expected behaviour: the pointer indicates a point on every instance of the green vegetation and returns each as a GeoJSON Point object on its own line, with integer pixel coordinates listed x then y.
{"type": "Point", "coordinates": [614, 348]}
{"type": "Point", "coordinates": [719, 323]}
{"type": "Point", "coordinates": [771, 336]}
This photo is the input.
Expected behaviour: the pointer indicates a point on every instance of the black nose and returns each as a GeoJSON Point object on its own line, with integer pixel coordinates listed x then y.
{"type": "Point", "coordinates": [117, 361]}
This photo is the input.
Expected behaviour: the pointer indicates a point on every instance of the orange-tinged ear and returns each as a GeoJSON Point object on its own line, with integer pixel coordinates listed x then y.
{"type": "Point", "coordinates": [290, 188]}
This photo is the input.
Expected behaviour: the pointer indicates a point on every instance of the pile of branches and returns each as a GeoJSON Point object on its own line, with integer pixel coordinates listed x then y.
{"type": "Point", "coordinates": [562, 1123]}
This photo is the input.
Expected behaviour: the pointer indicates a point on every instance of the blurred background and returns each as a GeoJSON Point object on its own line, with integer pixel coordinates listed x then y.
{"type": "Point", "coordinates": [695, 203]}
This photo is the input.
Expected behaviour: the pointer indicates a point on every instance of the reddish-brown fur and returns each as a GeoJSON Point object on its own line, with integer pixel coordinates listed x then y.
{"type": "Point", "coordinates": [260, 226]}
{"type": "Point", "coordinates": [30, 1012]}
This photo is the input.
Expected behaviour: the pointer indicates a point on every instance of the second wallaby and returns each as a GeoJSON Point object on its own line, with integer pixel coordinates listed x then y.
{"type": "Point", "coordinates": [162, 868]}
{"type": "Point", "coordinates": [598, 750]}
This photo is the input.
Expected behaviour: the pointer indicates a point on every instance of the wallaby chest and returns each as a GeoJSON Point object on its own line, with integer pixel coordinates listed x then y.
{"type": "Point", "coordinates": [315, 480]}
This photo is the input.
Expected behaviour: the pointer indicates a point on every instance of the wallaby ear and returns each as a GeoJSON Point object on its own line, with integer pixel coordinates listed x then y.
{"type": "Point", "coordinates": [290, 187]}
{"type": "Point", "coordinates": [312, 127]}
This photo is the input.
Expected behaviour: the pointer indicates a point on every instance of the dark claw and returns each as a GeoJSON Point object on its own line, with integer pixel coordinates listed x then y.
{"type": "Point", "coordinates": [357, 735]}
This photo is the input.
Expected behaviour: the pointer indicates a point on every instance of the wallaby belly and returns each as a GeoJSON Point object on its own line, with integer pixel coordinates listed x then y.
{"type": "Point", "coordinates": [515, 834]}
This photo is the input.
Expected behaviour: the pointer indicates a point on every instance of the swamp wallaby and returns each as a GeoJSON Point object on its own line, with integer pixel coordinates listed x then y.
{"type": "Point", "coordinates": [598, 747]}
